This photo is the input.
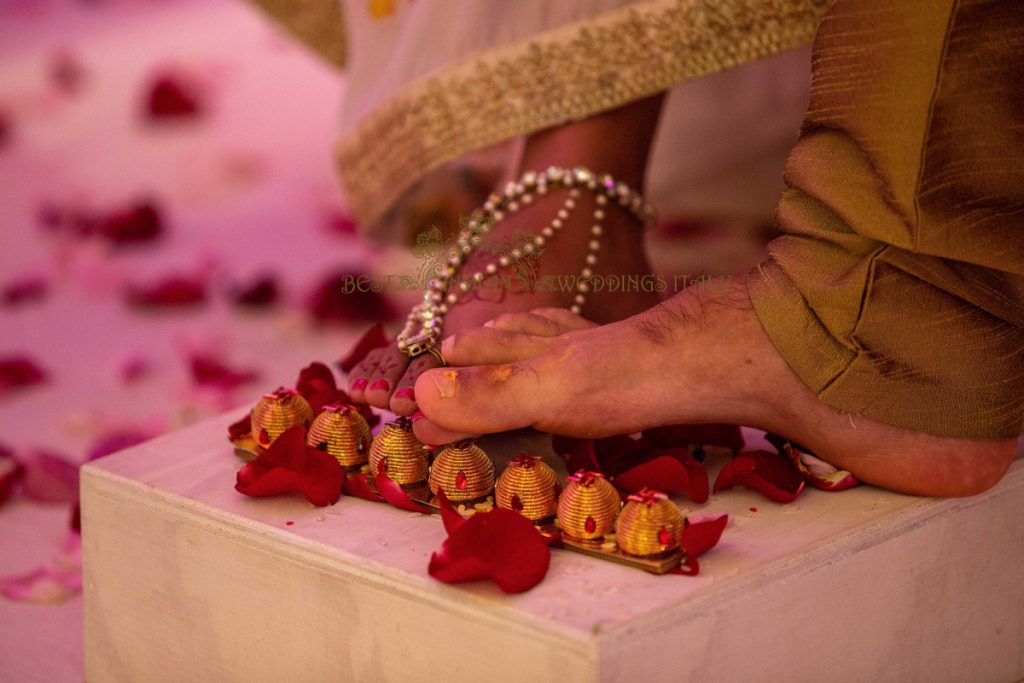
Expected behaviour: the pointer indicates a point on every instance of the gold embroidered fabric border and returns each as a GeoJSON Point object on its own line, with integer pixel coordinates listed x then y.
{"type": "Point", "coordinates": [568, 73]}
{"type": "Point", "coordinates": [319, 24]}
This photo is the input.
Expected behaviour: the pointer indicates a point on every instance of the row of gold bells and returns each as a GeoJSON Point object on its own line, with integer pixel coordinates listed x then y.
{"type": "Point", "coordinates": [588, 509]}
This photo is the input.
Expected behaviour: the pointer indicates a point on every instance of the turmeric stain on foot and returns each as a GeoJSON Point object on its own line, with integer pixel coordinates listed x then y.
{"type": "Point", "coordinates": [448, 384]}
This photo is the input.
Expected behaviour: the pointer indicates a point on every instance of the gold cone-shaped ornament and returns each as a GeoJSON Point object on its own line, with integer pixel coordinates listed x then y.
{"type": "Point", "coordinates": [341, 431]}
{"type": "Point", "coordinates": [649, 525]}
{"type": "Point", "coordinates": [396, 451]}
{"type": "Point", "coordinates": [530, 487]}
{"type": "Point", "coordinates": [278, 411]}
{"type": "Point", "coordinates": [464, 472]}
{"type": "Point", "coordinates": [588, 506]}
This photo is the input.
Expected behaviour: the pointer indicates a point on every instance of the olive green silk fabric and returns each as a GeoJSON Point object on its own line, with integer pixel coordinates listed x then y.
{"type": "Point", "coordinates": [896, 290]}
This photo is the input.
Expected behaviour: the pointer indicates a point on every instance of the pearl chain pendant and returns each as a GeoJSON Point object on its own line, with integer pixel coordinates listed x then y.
{"type": "Point", "coordinates": [423, 326]}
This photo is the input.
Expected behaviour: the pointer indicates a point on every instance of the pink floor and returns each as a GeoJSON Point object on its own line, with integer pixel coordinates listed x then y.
{"type": "Point", "coordinates": [247, 188]}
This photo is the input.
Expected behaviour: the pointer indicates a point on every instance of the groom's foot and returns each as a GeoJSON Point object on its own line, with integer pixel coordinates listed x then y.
{"type": "Point", "coordinates": [699, 357]}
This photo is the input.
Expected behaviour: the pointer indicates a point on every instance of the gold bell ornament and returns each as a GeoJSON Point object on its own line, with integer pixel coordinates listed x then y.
{"type": "Point", "coordinates": [530, 487]}
{"type": "Point", "coordinates": [588, 506]}
{"type": "Point", "coordinates": [649, 525]}
{"type": "Point", "coordinates": [278, 411]}
{"type": "Point", "coordinates": [464, 472]}
{"type": "Point", "coordinates": [341, 431]}
{"type": "Point", "coordinates": [398, 453]}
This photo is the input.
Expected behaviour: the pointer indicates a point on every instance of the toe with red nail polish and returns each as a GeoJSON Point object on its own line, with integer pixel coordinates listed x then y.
{"type": "Point", "coordinates": [381, 384]}
{"type": "Point", "coordinates": [406, 393]}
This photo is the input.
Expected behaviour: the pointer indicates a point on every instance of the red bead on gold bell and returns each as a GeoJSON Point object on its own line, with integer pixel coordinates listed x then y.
{"type": "Point", "coordinates": [278, 411]}
{"type": "Point", "coordinates": [341, 431]}
{"type": "Point", "coordinates": [464, 472]}
{"type": "Point", "coordinates": [649, 525]}
{"type": "Point", "coordinates": [588, 506]}
{"type": "Point", "coordinates": [398, 453]}
{"type": "Point", "coordinates": [528, 486]}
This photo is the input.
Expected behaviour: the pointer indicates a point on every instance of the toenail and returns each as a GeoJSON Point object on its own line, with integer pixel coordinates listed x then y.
{"type": "Point", "coordinates": [359, 384]}
{"type": "Point", "coordinates": [406, 393]}
{"type": "Point", "coordinates": [381, 384]}
{"type": "Point", "coordinates": [418, 415]}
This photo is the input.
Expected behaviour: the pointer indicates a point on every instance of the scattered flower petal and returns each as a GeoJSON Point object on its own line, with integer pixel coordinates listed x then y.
{"type": "Point", "coordinates": [67, 73]}
{"type": "Point", "coordinates": [56, 582]}
{"type": "Point", "coordinates": [337, 300]}
{"type": "Point", "coordinates": [289, 465]}
{"type": "Point", "coordinates": [17, 372]}
{"type": "Point", "coordinates": [500, 545]}
{"type": "Point", "coordinates": [171, 292]}
{"type": "Point", "coordinates": [819, 473]}
{"type": "Point", "coordinates": [770, 474]}
{"type": "Point", "coordinates": [242, 429]}
{"type": "Point", "coordinates": [25, 290]}
{"type": "Point", "coordinates": [674, 472]}
{"type": "Point", "coordinates": [316, 384]}
{"type": "Point", "coordinates": [358, 487]}
{"type": "Point", "coordinates": [211, 372]}
{"type": "Point", "coordinates": [117, 440]}
{"type": "Point", "coordinates": [340, 223]}
{"type": "Point", "coordinates": [49, 477]}
{"type": "Point", "coordinates": [171, 95]}
{"type": "Point", "coordinates": [11, 472]}
{"type": "Point", "coordinates": [140, 221]}
{"type": "Point", "coordinates": [261, 292]}
{"type": "Point", "coordinates": [724, 436]}
{"type": "Point", "coordinates": [395, 495]}
{"type": "Point", "coordinates": [133, 369]}
{"type": "Point", "coordinates": [700, 535]}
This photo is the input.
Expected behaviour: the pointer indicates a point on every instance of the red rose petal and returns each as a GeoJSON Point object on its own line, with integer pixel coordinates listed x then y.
{"type": "Point", "coordinates": [117, 440]}
{"type": "Point", "coordinates": [700, 535]}
{"type": "Point", "coordinates": [261, 292]}
{"type": "Point", "coordinates": [395, 495]}
{"type": "Point", "coordinates": [212, 372]}
{"type": "Point", "coordinates": [501, 545]}
{"type": "Point", "coordinates": [55, 582]}
{"type": "Point", "coordinates": [725, 436]}
{"type": "Point", "coordinates": [340, 299]}
{"type": "Point", "coordinates": [374, 338]}
{"type": "Point", "coordinates": [289, 465]}
{"type": "Point", "coordinates": [449, 515]}
{"type": "Point", "coordinates": [341, 223]}
{"type": "Point", "coordinates": [171, 96]}
{"type": "Point", "coordinates": [819, 473]}
{"type": "Point", "coordinates": [50, 477]}
{"type": "Point", "coordinates": [675, 472]}
{"type": "Point", "coordinates": [25, 290]}
{"type": "Point", "coordinates": [11, 472]}
{"type": "Point", "coordinates": [357, 486]}
{"type": "Point", "coordinates": [139, 222]}
{"type": "Point", "coordinates": [67, 72]}
{"type": "Point", "coordinates": [316, 384]}
{"type": "Point", "coordinates": [240, 429]}
{"type": "Point", "coordinates": [17, 372]}
{"type": "Point", "coordinates": [171, 292]}
{"type": "Point", "coordinates": [770, 474]}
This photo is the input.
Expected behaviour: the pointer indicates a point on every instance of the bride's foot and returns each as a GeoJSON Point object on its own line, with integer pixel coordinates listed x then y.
{"type": "Point", "coordinates": [698, 357]}
{"type": "Point", "coordinates": [385, 379]}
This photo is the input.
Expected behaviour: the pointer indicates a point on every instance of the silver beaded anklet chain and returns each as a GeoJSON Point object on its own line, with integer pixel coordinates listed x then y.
{"type": "Point", "coordinates": [422, 329]}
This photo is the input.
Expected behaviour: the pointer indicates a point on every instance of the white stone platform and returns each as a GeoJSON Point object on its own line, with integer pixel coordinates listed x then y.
{"type": "Point", "coordinates": [186, 580]}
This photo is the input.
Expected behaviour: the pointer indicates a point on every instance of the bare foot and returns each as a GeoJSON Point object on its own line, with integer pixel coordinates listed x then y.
{"type": "Point", "coordinates": [699, 357]}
